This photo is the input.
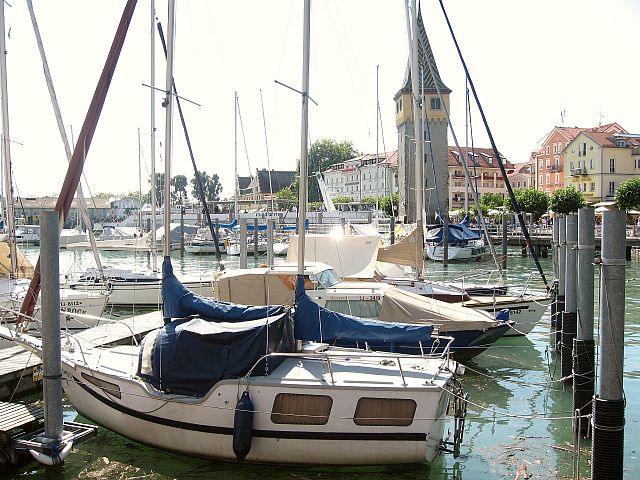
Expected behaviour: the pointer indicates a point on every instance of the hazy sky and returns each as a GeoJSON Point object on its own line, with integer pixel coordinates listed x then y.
{"type": "Point", "coordinates": [529, 61]}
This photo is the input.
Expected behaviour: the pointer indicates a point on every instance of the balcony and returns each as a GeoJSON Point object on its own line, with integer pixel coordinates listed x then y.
{"type": "Point", "coordinates": [555, 168]}
{"type": "Point", "coordinates": [579, 171]}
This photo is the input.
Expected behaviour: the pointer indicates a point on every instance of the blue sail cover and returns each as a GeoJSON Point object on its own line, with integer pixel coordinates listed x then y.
{"type": "Point", "coordinates": [189, 356]}
{"type": "Point", "coordinates": [180, 302]}
{"type": "Point", "coordinates": [458, 233]}
{"type": "Point", "coordinates": [316, 323]}
{"type": "Point", "coordinates": [229, 225]}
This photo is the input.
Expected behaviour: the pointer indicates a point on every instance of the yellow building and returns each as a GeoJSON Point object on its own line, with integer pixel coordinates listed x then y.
{"type": "Point", "coordinates": [596, 163]}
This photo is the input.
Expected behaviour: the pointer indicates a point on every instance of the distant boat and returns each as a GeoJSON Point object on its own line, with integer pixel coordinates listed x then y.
{"type": "Point", "coordinates": [463, 243]}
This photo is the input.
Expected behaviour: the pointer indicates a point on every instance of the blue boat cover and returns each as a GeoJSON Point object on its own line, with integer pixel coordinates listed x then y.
{"type": "Point", "coordinates": [458, 233]}
{"type": "Point", "coordinates": [189, 356]}
{"type": "Point", "coordinates": [180, 302]}
{"type": "Point", "coordinates": [217, 341]}
{"type": "Point", "coordinates": [229, 225]}
{"type": "Point", "coordinates": [316, 323]}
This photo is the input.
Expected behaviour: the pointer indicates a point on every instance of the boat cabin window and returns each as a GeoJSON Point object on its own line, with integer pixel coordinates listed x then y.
{"type": "Point", "coordinates": [325, 279]}
{"type": "Point", "coordinates": [297, 409]}
{"type": "Point", "coordinates": [384, 412]}
{"type": "Point", "coordinates": [359, 308]}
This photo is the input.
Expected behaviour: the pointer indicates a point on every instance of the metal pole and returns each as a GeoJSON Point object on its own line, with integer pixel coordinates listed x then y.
{"type": "Point", "coordinates": [505, 235]}
{"type": "Point", "coordinates": [168, 135]}
{"type": "Point", "coordinates": [270, 228]}
{"type": "Point", "coordinates": [607, 458]}
{"type": "Point", "coordinates": [583, 345]}
{"type": "Point", "coordinates": [570, 315]}
{"type": "Point", "coordinates": [154, 201]}
{"type": "Point", "coordinates": [255, 242]}
{"type": "Point", "coordinates": [181, 232]}
{"type": "Point", "coordinates": [562, 256]}
{"type": "Point", "coordinates": [392, 228]}
{"type": "Point", "coordinates": [243, 243]}
{"type": "Point", "coordinates": [554, 290]}
{"type": "Point", "coordinates": [51, 345]}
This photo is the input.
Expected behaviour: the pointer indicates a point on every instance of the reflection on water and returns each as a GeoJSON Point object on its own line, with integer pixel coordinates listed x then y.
{"type": "Point", "coordinates": [519, 417]}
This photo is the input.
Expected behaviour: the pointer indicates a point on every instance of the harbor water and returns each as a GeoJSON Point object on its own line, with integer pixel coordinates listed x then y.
{"type": "Point", "coordinates": [519, 420]}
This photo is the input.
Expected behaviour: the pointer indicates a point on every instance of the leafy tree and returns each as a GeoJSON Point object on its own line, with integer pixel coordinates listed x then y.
{"type": "Point", "coordinates": [323, 154]}
{"type": "Point", "coordinates": [179, 184]}
{"type": "Point", "coordinates": [389, 204]}
{"type": "Point", "coordinates": [342, 199]}
{"type": "Point", "coordinates": [315, 206]}
{"type": "Point", "coordinates": [370, 200]}
{"type": "Point", "coordinates": [159, 188]}
{"type": "Point", "coordinates": [530, 200]}
{"type": "Point", "coordinates": [210, 185]}
{"type": "Point", "coordinates": [628, 194]}
{"type": "Point", "coordinates": [103, 195]}
{"type": "Point", "coordinates": [566, 200]}
{"type": "Point", "coordinates": [491, 201]}
{"type": "Point", "coordinates": [287, 197]}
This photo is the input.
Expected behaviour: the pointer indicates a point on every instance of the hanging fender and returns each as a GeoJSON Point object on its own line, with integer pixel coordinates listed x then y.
{"type": "Point", "coordinates": [243, 427]}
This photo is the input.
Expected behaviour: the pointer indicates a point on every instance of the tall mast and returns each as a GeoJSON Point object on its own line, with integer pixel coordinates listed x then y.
{"type": "Point", "coordinates": [417, 123]}
{"type": "Point", "coordinates": [6, 149]}
{"type": "Point", "coordinates": [154, 251]}
{"type": "Point", "coordinates": [168, 142]}
{"type": "Point", "coordinates": [377, 146]}
{"type": "Point", "coordinates": [235, 156]}
{"type": "Point", "coordinates": [302, 195]}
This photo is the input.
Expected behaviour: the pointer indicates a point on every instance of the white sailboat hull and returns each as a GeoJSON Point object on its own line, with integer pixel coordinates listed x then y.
{"type": "Point", "coordinates": [466, 253]}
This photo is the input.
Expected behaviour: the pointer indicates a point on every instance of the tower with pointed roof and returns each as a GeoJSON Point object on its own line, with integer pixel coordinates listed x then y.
{"type": "Point", "coordinates": [435, 135]}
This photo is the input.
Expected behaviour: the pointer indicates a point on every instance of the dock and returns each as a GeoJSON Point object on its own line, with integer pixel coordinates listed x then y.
{"type": "Point", "coordinates": [21, 371]}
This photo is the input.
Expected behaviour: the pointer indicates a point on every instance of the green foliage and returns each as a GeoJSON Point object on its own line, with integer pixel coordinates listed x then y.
{"type": "Point", "coordinates": [370, 200]}
{"type": "Point", "coordinates": [342, 199]}
{"type": "Point", "coordinates": [566, 200]}
{"type": "Point", "coordinates": [473, 212]}
{"type": "Point", "coordinates": [323, 154]}
{"type": "Point", "coordinates": [159, 187]}
{"type": "Point", "coordinates": [389, 204]}
{"type": "Point", "coordinates": [491, 201]}
{"type": "Point", "coordinates": [628, 194]}
{"type": "Point", "coordinates": [179, 193]}
{"type": "Point", "coordinates": [103, 195]}
{"type": "Point", "coordinates": [529, 200]}
{"type": "Point", "coordinates": [287, 197]}
{"type": "Point", "coordinates": [313, 206]}
{"type": "Point", "coordinates": [210, 185]}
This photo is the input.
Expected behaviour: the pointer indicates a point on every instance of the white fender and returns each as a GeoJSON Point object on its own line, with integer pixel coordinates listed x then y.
{"type": "Point", "coordinates": [56, 459]}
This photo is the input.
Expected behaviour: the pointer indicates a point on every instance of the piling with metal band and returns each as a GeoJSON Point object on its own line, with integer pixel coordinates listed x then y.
{"type": "Point", "coordinates": [270, 228]}
{"type": "Point", "coordinates": [608, 405]}
{"type": "Point", "coordinates": [243, 243]}
{"type": "Point", "coordinates": [570, 315]}
{"type": "Point", "coordinates": [392, 228]}
{"type": "Point", "coordinates": [255, 242]}
{"type": "Point", "coordinates": [583, 345]}
{"type": "Point", "coordinates": [562, 249]}
{"type": "Point", "coordinates": [554, 246]}
{"type": "Point", "coordinates": [51, 344]}
{"type": "Point", "coordinates": [504, 242]}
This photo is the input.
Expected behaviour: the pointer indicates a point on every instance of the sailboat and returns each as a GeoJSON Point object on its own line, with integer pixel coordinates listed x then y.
{"type": "Point", "coordinates": [231, 382]}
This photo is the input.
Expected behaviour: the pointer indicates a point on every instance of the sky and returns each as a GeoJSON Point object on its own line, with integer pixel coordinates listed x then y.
{"type": "Point", "coordinates": [529, 61]}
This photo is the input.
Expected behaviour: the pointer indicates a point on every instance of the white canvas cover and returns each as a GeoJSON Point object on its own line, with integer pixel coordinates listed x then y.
{"type": "Point", "coordinates": [25, 269]}
{"type": "Point", "coordinates": [401, 306]}
{"type": "Point", "coordinates": [351, 256]}
{"type": "Point", "coordinates": [408, 251]}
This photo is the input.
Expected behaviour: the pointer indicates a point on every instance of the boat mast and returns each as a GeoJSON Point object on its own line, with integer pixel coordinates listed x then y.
{"type": "Point", "coordinates": [302, 210]}
{"type": "Point", "coordinates": [377, 144]}
{"type": "Point", "coordinates": [418, 130]}
{"type": "Point", "coordinates": [82, 205]}
{"type": "Point", "coordinates": [168, 142]}
{"type": "Point", "coordinates": [154, 251]}
{"type": "Point", "coordinates": [6, 149]}
{"type": "Point", "coordinates": [236, 186]}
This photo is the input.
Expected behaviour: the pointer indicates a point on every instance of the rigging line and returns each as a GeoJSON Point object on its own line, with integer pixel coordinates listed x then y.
{"type": "Point", "coordinates": [198, 178]}
{"type": "Point", "coordinates": [266, 146]}
{"type": "Point", "coordinates": [244, 139]}
{"type": "Point", "coordinates": [514, 203]}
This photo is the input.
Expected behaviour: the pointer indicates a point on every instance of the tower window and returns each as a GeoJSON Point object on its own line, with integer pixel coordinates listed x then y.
{"type": "Point", "coordinates": [435, 103]}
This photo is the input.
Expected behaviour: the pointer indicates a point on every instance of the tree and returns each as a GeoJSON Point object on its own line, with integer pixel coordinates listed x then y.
{"type": "Point", "coordinates": [342, 199]}
{"type": "Point", "coordinates": [566, 200]}
{"type": "Point", "coordinates": [210, 185]}
{"type": "Point", "coordinates": [628, 194]}
{"type": "Point", "coordinates": [159, 187]}
{"type": "Point", "coordinates": [323, 154]}
{"type": "Point", "coordinates": [491, 201]}
{"type": "Point", "coordinates": [529, 200]}
{"type": "Point", "coordinates": [287, 197]}
{"type": "Point", "coordinates": [370, 200]}
{"type": "Point", "coordinates": [179, 184]}
{"type": "Point", "coordinates": [389, 204]}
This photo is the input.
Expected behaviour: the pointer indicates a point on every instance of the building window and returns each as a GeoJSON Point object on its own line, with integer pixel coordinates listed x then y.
{"type": "Point", "coordinates": [571, 165]}
{"type": "Point", "coordinates": [582, 149]}
{"type": "Point", "coordinates": [612, 165]}
{"type": "Point", "coordinates": [381, 412]}
{"type": "Point", "coordinates": [548, 163]}
{"type": "Point", "coordinates": [541, 182]}
{"type": "Point", "coordinates": [555, 148]}
{"type": "Point", "coordinates": [547, 179]}
{"type": "Point", "coordinates": [546, 150]}
{"type": "Point", "coordinates": [298, 409]}
{"type": "Point", "coordinates": [591, 163]}
{"type": "Point", "coordinates": [557, 160]}
{"type": "Point", "coordinates": [399, 105]}
{"type": "Point", "coordinates": [612, 188]}
{"type": "Point", "coordinates": [557, 178]}
{"type": "Point", "coordinates": [540, 165]}
{"type": "Point", "coordinates": [435, 103]}
{"type": "Point", "coordinates": [592, 187]}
